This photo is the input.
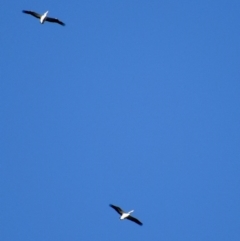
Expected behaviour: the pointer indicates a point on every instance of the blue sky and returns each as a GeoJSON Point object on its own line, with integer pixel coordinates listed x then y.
{"type": "Point", "coordinates": [134, 103]}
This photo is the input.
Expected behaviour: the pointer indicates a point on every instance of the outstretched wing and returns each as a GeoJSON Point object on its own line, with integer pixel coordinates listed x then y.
{"type": "Point", "coordinates": [54, 20]}
{"type": "Point", "coordinates": [36, 15]}
{"type": "Point", "coordinates": [118, 209]}
{"type": "Point", "coordinates": [134, 220]}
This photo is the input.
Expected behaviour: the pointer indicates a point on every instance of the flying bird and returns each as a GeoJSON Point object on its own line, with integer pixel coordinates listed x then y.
{"type": "Point", "coordinates": [125, 215]}
{"type": "Point", "coordinates": [44, 17]}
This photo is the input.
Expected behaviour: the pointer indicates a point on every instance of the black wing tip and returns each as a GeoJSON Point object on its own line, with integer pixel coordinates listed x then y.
{"type": "Point", "coordinates": [114, 206]}
{"type": "Point", "coordinates": [138, 222]}
{"type": "Point", "coordinates": [131, 218]}
{"type": "Point", "coordinates": [28, 11]}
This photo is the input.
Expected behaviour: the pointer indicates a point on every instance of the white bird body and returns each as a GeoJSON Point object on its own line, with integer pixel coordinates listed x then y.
{"type": "Point", "coordinates": [125, 215]}
{"type": "Point", "coordinates": [43, 17]}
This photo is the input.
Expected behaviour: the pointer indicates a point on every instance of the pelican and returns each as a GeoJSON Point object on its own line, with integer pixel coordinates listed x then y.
{"type": "Point", "coordinates": [125, 215]}
{"type": "Point", "coordinates": [43, 17]}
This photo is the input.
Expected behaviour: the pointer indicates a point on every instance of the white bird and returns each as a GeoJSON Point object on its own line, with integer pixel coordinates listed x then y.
{"type": "Point", "coordinates": [43, 17]}
{"type": "Point", "coordinates": [125, 215]}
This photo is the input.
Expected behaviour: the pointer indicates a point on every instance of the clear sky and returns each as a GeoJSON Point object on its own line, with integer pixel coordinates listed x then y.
{"type": "Point", "coordinates": [134, 103]}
